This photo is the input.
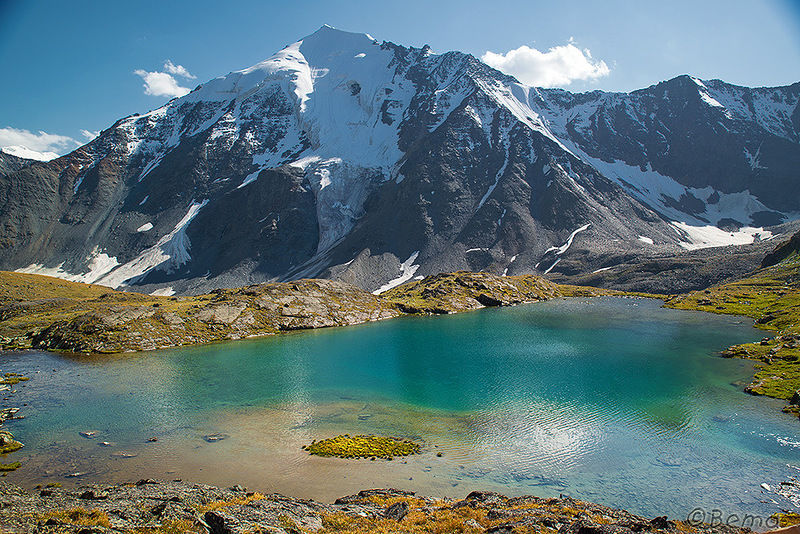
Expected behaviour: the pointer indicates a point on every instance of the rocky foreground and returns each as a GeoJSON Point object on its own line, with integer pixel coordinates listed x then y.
{"type": "Point", "coordinates": [167, 507]}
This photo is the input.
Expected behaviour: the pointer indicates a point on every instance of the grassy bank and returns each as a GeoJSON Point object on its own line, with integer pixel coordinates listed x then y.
{"type": "Point", "coordinates": [771, 296]}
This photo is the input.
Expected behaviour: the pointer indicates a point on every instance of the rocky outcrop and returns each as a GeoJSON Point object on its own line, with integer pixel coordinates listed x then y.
{"type": "Point", "coordinates": [252, 311]}
{"type": "Point", "coordinates": [10, 163]}
{"type": "Point", "coordinates": [464, 290]}
{"type": "Point", "coordinates": [86, 318]}
{"type": "Point", "coordinates": [161, 507]}
{"type": "Point", "coordinates": [783, 251]}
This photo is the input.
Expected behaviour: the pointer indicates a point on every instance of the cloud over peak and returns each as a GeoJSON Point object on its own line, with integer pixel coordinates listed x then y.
{"type": "Point", "coordinates": [178, 70]}
{"type": "Point", "coordinates": [42, 146]}
{"type": "Point", "coordinates": [163, 83]}
{"type": "Point", "coordinates": [557, 67]}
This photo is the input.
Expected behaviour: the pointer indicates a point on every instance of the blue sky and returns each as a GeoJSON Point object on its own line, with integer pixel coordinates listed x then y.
{"type": "Point", "coordinates": [69, 66]}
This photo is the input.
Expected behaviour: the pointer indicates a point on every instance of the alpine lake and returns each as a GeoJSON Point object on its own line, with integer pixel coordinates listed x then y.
{"type": "Point", "coordinates": [611, 400]}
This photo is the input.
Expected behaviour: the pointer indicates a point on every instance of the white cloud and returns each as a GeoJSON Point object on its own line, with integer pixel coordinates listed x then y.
{"type": "Point", "coordinates": [42, 145]}
{"type": "Point", "coordinates": [164, 83]}
{"type": "Point", "coordinates": [178, 70]}
{"type": "Point", "coordinates": [27, 153]}
{"type": "Point", "coordinates": [161, 84]}
{"type": "Point", "coordinates": [559, 66]}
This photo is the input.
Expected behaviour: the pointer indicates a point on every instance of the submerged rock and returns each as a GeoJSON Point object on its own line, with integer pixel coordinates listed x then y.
{"type": "Point", "coordinates": [7, 442]}
{"type": "Point", "coordinates": [213, 438]}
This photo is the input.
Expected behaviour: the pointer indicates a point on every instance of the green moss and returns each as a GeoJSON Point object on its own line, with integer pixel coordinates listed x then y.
{"type": "Point", "coordinates": [778, 379]}
{"type": "Point", "coordinates": [7, 443]}
{"type": "Point", "coordinates": [10, 467]}
{"type": "Point", "coordinates": [11, 379]}
{"type": "Point", "coordinates": [363, 446]}
{"type": "Point", "coordinates": [10, 447]}
{"type": "Point", "coordinates": [788, 519]}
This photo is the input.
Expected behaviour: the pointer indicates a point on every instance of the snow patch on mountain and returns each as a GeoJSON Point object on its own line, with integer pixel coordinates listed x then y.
{"type": "Point", "coordinates": [163, 292]}
{"type": "Point", "coordinates": [99, 264]}
{"type": "Point", "coordinates": [552, 266]}
{"type": "Point", "coordinates": [169, 253]}
{"type": "Point", "coordinates": [769, 107]}
{"type": "Point", "coordinates": [711, 236]}
{"type": "Point", "coordinates": [504, 138]}
{"type": "Point", "coordinates": [563, 248]}
{"type": "Point", "coordinates": [664, 195]}
{"type": "Point", "coordinates": [752, 159]}
{"type": "Point", "coordinates": [407, 270]}
{"type": "Point", "coordinates": [512, 260]}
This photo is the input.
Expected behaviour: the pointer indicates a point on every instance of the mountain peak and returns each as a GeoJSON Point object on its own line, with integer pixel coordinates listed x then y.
{"type": "Point", "coordinates": [334, 36]}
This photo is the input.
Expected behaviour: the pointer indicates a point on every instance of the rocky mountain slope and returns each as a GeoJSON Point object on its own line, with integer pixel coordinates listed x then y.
{"type": "Point", "coordinates": [373, 163]}
{"type": "Point", "coordinates": [10, 163]}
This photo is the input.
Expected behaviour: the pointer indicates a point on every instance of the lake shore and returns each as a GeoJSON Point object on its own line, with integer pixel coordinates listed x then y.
{"type": "Point", "coordinates": [771, 297]}
{"type": "Point", "coordinates": [47, 313]}
{"type": "Point", "coordinates": [531, 426]}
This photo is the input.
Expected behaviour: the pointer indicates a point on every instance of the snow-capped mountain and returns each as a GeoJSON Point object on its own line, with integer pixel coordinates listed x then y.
{"type": "Point", "coordinates": [343, 157]}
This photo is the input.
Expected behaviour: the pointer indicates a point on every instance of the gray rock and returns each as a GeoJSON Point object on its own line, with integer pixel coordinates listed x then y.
{"type": "Point", "coordinates": [397, 511]}
{"type": "Point", "coordinates": [221, 523]}
{"type": "Point", "coordinates": [213, 438]}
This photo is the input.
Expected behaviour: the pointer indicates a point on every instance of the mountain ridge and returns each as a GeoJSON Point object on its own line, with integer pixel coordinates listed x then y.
{"type": "Point", "coordinates": [344, 157]}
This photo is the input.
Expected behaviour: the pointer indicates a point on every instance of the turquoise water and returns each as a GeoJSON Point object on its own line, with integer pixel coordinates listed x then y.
{"type": "Point", "coordinates": [612, 400]}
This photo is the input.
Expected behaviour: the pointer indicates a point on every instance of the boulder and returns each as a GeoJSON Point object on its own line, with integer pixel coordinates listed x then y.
{"type": "Point", "coordinates": [397, 511]}
{"type": "Point", "coordinates": [221, 523]}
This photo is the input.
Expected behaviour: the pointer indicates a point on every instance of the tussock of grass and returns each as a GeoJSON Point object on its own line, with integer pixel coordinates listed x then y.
{"type": "Point", "coordinates": [363, 446]}
{"type": "Point", "coordinates": [787, 519]}
{"type": "Point", "coordinates": [237, 501]}
{"type": "Point", "coordinates": [81, 517]}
